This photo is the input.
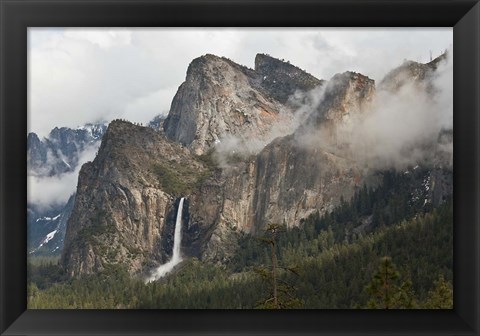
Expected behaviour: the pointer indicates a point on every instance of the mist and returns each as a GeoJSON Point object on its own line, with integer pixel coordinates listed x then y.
{"type": "Point", "coordinates": [47, 192]}
{"type": "Point", "coordinates": [230, 147]}
{"type": "Point", "coordinates": [398, 128]}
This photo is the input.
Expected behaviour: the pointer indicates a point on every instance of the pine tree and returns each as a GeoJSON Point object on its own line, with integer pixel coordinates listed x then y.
{"type": "Point", "coordinates": [404, 298]}
{"type": "Point", "coordinates": [441, 296]}
{"type": "Point", "coordinates": [382, 288]}
{"type": "Point", "coordinates": [280, 291]}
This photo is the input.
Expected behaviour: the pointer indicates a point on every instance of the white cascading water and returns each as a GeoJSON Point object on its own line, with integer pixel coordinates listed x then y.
{"type": "Point", "coordinates": [162, 270]}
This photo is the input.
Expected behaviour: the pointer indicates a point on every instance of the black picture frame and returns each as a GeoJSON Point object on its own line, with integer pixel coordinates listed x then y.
{"type": "Point", "coordinates": [17, 15]}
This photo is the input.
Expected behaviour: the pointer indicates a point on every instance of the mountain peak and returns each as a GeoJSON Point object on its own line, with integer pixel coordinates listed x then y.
{"type": "Point", "coordinates": [280, 79]}
{"type": "Point", "coordinates": [202, 62]}
{"type": "Point", "coordinates": [411, 72]}
{"type": "Point", "coordinates": [440, 59]}
{"type": "Point", "coordinates": [32, 137]}
{"type": "Point", "coordinates": [265, 61]}
{"type": "Point", "coordinates": [345, 94]}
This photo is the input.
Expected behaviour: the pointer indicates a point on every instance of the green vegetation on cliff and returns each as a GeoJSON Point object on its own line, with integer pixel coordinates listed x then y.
{"type": "Point", "coordinates": [179, 179]}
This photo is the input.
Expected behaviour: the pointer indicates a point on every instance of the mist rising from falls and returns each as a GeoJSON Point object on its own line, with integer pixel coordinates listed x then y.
{"type": "Point", "coordinates": [162, 270]}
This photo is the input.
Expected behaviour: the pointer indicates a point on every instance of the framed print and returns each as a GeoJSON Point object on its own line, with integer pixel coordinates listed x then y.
{"type": "Point", "coordinates": [251, 167]}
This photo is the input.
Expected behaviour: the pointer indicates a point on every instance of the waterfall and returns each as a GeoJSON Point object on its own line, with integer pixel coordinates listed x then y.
{"type": "Point", "coordinates": [177, 237]}
{"type": "Point", "coordinates": [162, 270]}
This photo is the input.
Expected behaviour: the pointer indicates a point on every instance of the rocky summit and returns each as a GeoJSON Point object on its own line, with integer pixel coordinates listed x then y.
{"type": "Point", "coordinates": [127, 198]}
{"type": "Point", "coordinates": [220, 97]}
{"type": "Point", "coordinates": [124, 197]}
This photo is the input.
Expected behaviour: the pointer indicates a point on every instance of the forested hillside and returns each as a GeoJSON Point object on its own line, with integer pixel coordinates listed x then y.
{"type": "Point", "coordinates": [333, 267]}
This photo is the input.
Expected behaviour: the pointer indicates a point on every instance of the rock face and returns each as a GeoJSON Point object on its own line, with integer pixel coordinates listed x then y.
{"type": "Point", "coordinates": [220, 97]}
{"type": "Point", "coordinates": [283, 184]}
{"type": "Point", "coordinates": [346, 94]}
{"type": "Point", "coordinates": [293, 177]}
{"type": "Point", "coordinates": [123, 199]}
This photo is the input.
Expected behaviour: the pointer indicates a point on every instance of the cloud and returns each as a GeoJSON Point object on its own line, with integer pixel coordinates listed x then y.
{"type": "Point", "coordinates": [232, 147]}
{"type": "Point", "coordinates": [46, 192]}
{"type": "Point", "coordinates": [398, 129]}
{"type": "Point", "coordinates": [80, 75]}
{"type": "Point", "coordinates": [104, 39]}
{"type": "Point", "coordinates": [143, 106]}
{"type": "Point", "coordinates": [375, 51]}
{"type": "Point", "coordinates": [73, 81]}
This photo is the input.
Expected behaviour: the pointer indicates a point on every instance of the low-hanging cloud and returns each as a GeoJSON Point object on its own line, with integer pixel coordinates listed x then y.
{"type": "Point", "coordinates": [240, 146]}
{"type": "Point", "coordinates": [398, 128]}
{"type": "Point", "coordinates": [46, 192]}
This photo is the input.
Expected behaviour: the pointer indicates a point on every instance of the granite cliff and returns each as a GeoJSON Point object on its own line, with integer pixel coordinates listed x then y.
{"type": "Point", "coordinates": [124, 197]}
{"type": "Point", "coordinates": [220, 97]}
{"type": "Point", "coordinates": [127, 197]}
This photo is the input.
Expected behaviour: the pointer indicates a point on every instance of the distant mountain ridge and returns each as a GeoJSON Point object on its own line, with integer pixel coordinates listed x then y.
{"type": "Point", "coordinates": [59, 152]}
{"type": "Point", "coordinates": [54, 156]}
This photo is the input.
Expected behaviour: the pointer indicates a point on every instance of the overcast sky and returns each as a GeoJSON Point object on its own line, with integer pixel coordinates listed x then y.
{"type": "Point", "coordinates": [78, 76]}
